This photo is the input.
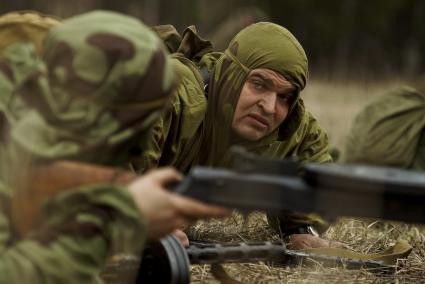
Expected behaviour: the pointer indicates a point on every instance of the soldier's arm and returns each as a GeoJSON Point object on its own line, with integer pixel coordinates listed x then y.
{"type": "Point", "coordinates": [153, 145]}
{"type": "Point", "coordinates": [167, 144]}
{"type": "Point", "coordinates": [82, 229]}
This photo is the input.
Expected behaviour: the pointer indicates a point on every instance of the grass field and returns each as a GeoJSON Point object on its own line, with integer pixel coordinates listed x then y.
{"type": "Point", "coordinates": [334, 105]}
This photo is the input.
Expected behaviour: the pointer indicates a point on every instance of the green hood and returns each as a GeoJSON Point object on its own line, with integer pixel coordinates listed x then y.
{"type": "Point", "coordinates": [197, 130]}
{"type": "Point", "coordinates": [97, 87]}
{"type": "Point", "coordinates": [388, 131]}
{"type": "Point", "coordinates": [261, 45]}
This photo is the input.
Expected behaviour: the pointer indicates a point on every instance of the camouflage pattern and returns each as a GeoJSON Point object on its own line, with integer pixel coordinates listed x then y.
{"type": "Point", "coordinates": [102, 81]}
{"type": "Point", "coordinates": [97, 89]}
{"type": "Point", "coordinates": [390, 131]}
{"type": "Point", "coordinates": [17, 62]}
{"type": "Point", "coordinates": [16, 58]}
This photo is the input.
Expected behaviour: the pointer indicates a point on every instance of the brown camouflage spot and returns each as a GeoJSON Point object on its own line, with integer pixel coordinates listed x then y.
{"type": "Point", "coordinates": [71, 227]}
{"type": "Point", "coordinates": [116, 48]}
{"type": "Point", "coordinates": [6, 70]}
{"type": "Point", "coordinates": [4, 130]}
{"type": "Point", "coordinates": [148, 87]}
{"type": "Point", "coordinates": [62, 57]}
{"type": "Point", "coordinates": [30, 91]}
{"type": "Point", "coordinates": [139, 89]}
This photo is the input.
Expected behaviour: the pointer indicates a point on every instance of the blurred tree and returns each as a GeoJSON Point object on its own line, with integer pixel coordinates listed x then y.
{"type": "Point", "coordinates": [351, 35]}
{"type": "Point", "coordinates": [179, 13]}
{"type": "Point", "coordinates": [348, 37]}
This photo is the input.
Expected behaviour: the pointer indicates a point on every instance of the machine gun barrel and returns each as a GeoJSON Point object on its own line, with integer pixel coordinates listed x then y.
{"type": "Point", "coordinates": [330, 190]}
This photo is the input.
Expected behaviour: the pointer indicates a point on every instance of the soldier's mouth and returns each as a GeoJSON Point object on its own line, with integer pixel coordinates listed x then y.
{"type": "Point", "coordinates": [258, 121]}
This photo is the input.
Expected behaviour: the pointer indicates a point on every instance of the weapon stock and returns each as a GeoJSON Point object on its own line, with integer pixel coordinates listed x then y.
{"type": "Point", "coordinates": [44, 181]}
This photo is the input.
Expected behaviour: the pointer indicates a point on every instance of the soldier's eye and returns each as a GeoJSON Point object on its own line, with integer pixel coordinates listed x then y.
{"type": "Point", "coordinates": [286, 98]}
{"type": "Point", "coordinates": [258, 85]}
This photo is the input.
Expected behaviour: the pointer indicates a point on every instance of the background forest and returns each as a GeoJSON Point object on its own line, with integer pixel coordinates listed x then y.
{"type": "Point", "coordinates": [343, 38]}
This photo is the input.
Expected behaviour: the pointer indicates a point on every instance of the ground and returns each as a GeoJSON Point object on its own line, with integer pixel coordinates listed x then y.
{"type": "Point", "coordinates": [334, 105]}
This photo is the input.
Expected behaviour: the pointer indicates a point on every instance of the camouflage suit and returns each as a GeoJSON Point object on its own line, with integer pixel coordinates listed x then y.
{"type": "Point", "coordinates": [197, 128]}
{"type": "Point", "coordinates": [390, 131]}
{"type": "Point", "coordinates": [85, 100]}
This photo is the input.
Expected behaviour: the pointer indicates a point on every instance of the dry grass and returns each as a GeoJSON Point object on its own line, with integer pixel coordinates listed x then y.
{"type": "Point", "coordinates": [365, 236]}
{"type": "Point", "coordinates": [335, 106]}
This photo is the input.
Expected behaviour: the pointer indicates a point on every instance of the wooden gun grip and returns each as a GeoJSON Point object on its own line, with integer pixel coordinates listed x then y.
{"type": "Point", "coordinates": [44, 181]}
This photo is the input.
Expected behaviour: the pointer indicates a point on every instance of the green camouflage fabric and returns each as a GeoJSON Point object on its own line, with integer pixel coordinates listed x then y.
{"type": "Point", "coordinates": [84, 228]}
{"type": "Point", "coordinates": [103, 80]}
{"type": "Point", "coordinates": [97, 88]}
{"type": "Point", "coordinates": [17, 28]}
{"type": "Point", "coordinates": [197, 130]}
{"type": "Point", "coordinates": [17, 62]}
{"type": "Point", "coordinates": [261, 45]}
{"type": "Point", "coordinates": [390, 131]}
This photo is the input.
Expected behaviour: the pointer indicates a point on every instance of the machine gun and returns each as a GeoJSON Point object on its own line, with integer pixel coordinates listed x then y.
{"type": "Point", "coordinates": [278, 186]}
{"type": "Point", "coordinates": [331, 190]}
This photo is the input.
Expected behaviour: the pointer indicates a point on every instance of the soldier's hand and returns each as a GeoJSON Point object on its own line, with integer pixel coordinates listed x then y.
{"type": "Point", "coordinates": [166, 211]}
{"type": "Point", "coordinates": [307, 241]}
{"type": "Point", "coordinates": [182, 237]}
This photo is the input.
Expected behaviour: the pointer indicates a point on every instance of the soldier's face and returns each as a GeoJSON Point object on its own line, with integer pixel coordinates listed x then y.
{"type": "Point", "coordinates": [263, 104]}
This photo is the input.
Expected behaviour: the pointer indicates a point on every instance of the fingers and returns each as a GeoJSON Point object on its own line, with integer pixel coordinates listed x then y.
{"type": "Point", "coordinates": [166, 175]}
{"type": "Point", "coordinates": [182, 237]}
{"type": "Point", "coordinates": [193, 209]}
{"type": "Point", "coordinates": [164, 210]}
{"type": "Point", "coordinates": [307, 241]}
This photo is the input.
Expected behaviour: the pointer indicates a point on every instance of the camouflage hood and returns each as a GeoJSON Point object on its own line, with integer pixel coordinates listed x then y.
{"type": "Point", "coordinates": [261, 45]}
{"type": "Point", "coordinates": [388, 131]}
{"type": "Point", "coordinates": [16, 62]}
{"type": "Point", "coordinates": [96, 88]}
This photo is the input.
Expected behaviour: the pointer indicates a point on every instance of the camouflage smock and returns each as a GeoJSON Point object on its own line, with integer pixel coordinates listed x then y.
{"type": "Point", "coordinates": [196, 129]}
{"type": "Point", "coordinates": [86, 99]}
{"type": "Point", "coordinates": [20, 27]}
{"type": "Point", "coordinates": [390, 131]}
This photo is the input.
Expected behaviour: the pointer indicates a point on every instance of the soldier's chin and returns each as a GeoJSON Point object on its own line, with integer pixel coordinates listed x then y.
{"type": "Point", "coordinates": [250, 134]}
